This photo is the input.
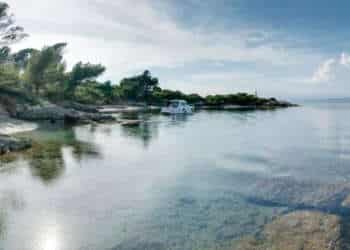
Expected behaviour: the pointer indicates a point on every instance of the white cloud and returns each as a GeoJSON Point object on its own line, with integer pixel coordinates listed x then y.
{"type": "Point", "coordinates": [324, 72]}
{"type": "Point", "coordinates": [345, 59]}
{"type": "Point", "coordinates": [332, 69]}
{"type": "Point", "coordinates": [127, 35]}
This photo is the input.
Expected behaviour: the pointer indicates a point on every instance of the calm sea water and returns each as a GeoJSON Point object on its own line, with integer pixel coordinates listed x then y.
{"type": "Point", "coordinates": [172, 183]}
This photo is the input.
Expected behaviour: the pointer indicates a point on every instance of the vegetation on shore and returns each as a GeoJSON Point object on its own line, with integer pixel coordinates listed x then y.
{"type": "Point", "coordinates": [32, 78]}
{"type": "Point", "coordinates": [43, 74]}
{"type": "Point", "coordinates": [31, 75]}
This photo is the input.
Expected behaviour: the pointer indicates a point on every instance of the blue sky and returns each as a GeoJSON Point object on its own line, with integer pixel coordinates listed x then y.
{"type": "Point", "coordinates": [282, 48]}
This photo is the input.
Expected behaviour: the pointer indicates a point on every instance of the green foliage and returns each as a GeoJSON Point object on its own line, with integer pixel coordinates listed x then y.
{"type": "Point", "coordinates": [45, 67]}
{"type": "Point", "coordinates": [83, 73]}
{"type": "Point", "coordinates": [194, 98]}
{"type": "Point", "coordinates": [4, 54]}
{"type": "Point", "coordinates": [117, 94]}
{"type": "Point", "coordinates": [138, 88]}
{"type": "Point", "coordinates": [107, 90]}
{"type": "Point", "coordinates": [21, 58]}
{"type": "Point", "coordinates": [9, 76]}
{"type": "Point", "coordinates": [233, 99]}
{"type": "Point", "coordinates": [161, 96]}
{"type": "Point", "coordinates": [54, 92]}
{"type": "Point", "coordinates": [90, 93]}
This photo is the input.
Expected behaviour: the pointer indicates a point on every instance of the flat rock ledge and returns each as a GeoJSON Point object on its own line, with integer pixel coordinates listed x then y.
{"type": "Point", "coordinates": [10, 144]}
{"type": "Point", "coordinates": [297, 194]}
{"type": "Point", "coordinates": [80, 107]}
{"type": "Point", "coordinates": [57, 113]}
{"type": "Point", "coordinates": [298, 230]}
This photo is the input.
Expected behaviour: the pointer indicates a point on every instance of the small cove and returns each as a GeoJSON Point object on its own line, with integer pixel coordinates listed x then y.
{"type": "Point", "coordinates": [171, 183]}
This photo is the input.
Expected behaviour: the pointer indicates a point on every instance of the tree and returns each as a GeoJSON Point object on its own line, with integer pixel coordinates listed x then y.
{"type": "Point", "coordinates": [83, 73]}
{"type": "Point", "coordinates": [45, 67]}
{"type": "Point", "coordinates": [5, 53]}
{"type": "Point", "coordinates": [107, 90]}
{"type": "Point", "coordinates": [148, 83]}
{"type": "Point", "coordinates": [194, 98]}
{"type": "Point", "coordinates": [21, 58]}
{"type": "Point", "coordinates": [90, 93]}
{"type": "Point", "coordinates": [9, 32]}
{"type": "Point", "coordinates": [9, 76]}
{"type": "Point", "coordinates": [139, 87]}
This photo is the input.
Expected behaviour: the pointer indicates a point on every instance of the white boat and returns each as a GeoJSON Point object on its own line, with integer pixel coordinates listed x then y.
{"type": "Point", "coordinates": [177, 107]}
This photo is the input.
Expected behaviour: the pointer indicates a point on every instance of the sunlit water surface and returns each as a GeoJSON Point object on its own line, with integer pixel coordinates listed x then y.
{"type": "Point", "coordinates": [172, 183]}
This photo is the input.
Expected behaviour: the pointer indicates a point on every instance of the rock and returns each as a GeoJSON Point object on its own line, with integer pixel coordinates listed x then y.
{"type": "Point", "coordinates": [11, 144]}
{"type": "Point", "coordinates": [302, 194]}
{"type": "Point", "coordinates": [96, 117]}
{"type": "Point", "coordinates": [130, 123]}
{"type": "Point", "coordinates": [56, 113]}
{"type": "Point", "coordinates": [45, 113]}
{"type": "Point", "coordinates": [299, 230]}
{"type": "Point", "coordinates": [80, 107]}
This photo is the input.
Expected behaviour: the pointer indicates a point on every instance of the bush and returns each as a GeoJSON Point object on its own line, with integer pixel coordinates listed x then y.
{"type": "Point", "coordinates": [89, 94]}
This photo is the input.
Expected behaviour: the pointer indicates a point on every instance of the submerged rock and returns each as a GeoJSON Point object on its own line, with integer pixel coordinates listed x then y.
{"type": "Point", "coordinates": [302, 194]}
{"type": "Point", "coordinates": [137, 245]}
{"type": "Point", "coordinates": [11, 144]}
{"type": "Point", "coordinates": [299, 230]}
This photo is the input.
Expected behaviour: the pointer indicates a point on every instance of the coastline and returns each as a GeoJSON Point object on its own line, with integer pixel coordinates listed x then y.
{"type": "Point", "coordinates": [11, 126]}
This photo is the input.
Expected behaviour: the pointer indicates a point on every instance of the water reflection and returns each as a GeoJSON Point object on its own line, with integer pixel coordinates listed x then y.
{"type": "Point", "coordinates": [179, 118]}
{"type": "Point", "coordinates": [146, 131]}
{"type": "Point", "coordinates": [46, 157]}
{"type": "Point", "coordinates": [46, 161]}
{"type": "Point", "coordinates": [10, 200]}
{"type": "Point", "coordinates": [49, 237]}
{"type": "Point", "coordinates": [197, 186]}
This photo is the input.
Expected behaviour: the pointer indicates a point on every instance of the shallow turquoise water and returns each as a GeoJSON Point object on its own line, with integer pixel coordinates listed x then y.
{"type": "Point", "coordinates": [172, 183]}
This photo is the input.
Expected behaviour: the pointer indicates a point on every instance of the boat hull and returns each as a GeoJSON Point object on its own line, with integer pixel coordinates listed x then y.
{"type": "Point", "coordinates": [170, 111]}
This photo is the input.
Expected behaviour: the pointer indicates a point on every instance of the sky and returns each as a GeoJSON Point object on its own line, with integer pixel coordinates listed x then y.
{"type": "Point", "coordinates": [287, 49]}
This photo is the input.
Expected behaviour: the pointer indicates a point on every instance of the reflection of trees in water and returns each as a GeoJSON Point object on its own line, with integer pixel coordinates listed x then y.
{"type": "Point", "coordinates": [146, 131]}
{"type": "Point", "coordinates": [84, 149]}
{"type": "Point", "coordinates": [46, 158]}
{"type": "Point", "coordinates": [46, 161]}
{"type": "Point", "coordinates": [148, 128]}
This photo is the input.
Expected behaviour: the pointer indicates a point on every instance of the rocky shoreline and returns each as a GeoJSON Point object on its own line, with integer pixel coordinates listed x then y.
{"type": "Point", "coordinates": [11, 144]}
{"type": "Point", "coordinates": [68, 113]}
{"type": "Point", "coordinates": [55, 113]}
